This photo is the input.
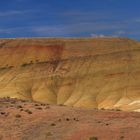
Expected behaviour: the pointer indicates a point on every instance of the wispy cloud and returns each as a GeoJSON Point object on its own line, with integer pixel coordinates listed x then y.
{"type": "Point", "coordinates": [13, 12]}
{"type": "Point", "coordinates": [120, 32]}
{"type": "Point", "coordinates": [47, 30]}
{"type": "Point", "coordinates": [5, 31]}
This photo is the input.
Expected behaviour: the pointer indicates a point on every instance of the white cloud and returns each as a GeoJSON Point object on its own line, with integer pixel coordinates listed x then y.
{"type": "Point", "coordinates": [121, 32]}
{"type": "Point", "coordinates": [49, 30]}
{"type": "Point", "coordinates": [97, 35]}
{"type": "Point", "coordinates": [102, 36]}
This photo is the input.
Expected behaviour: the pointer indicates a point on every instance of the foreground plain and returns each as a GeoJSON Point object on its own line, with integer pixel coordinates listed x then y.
{"type": "Point", "coordinates": [27, 120]}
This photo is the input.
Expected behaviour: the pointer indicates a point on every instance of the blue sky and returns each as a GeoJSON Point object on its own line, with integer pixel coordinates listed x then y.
{"type": "Point", "coordinates": [69, 18]}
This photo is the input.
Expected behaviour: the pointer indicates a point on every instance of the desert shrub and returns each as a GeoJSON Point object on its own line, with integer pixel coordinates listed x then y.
{"type": "Point", "coordinates": [19, 106]}
{"type": "Point", "coordinates": [28, 111]}
{"type": "Point", "coordinates": [39, 108]}
{"type": "Point", "coordinates": [27, 64]}
{"type": "Point", "coordinates": [13, 102]}
{"type": "Point", "coordinates": [48, 134]}
{"type": "Point", "coordinates": [21, 109]}
{"type": "Point", "coordinates": [59, 120]}
{"type": "Point", "coordinates": [23, 101]}
{"type": "Point", "coordinates": [6, 67]}
{"type": "Point", "coordinates": [43, 104]}
{"type": "Point", "coordinates": [37, 61]}
{"type": "Point", "coordinates": [31, 62]}
{"type": "Point", "coordinates": [36, 105]}
{"type": "Point", "coordinates": [122, 137]}
{"type": "Point", "coordinates": [107, 124]}
{"type": "Point", "coordinates": [3, 68]}
{"type": "Point", "coordinates": [75, 119]}
{"type": "Point", "coordinates": [118, 109]}
{"type": "Point", "coordinates": [2, 113]}
{"type": "Point", "coordinates": [47, 107]}
{"type": "Point", "coordinates": [18, 116]}
{"type": "Point", "coordinates": [93, 138]}
{"type": "Point", "coordinates": [61, 105]}
{"type": "Point", "coordinates": [24, 65]}
{"type": "Point", "coordinates": [67, 119]}
{"type": "Point", "coordinates": [53, 124]}
{"type": "Point", "coordinates": [10, 67]}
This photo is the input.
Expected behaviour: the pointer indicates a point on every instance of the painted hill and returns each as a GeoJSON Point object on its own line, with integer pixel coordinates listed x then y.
{"type": "Point", "coordinates": [86, 72]}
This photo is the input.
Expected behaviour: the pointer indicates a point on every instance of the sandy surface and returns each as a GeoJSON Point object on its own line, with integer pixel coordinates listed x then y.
{"type": "Point", "coordinates": [24, 120]}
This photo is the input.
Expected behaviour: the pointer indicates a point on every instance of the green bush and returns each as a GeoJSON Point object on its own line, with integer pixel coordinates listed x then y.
{"type": "Point", "coordinates": [24, 65]}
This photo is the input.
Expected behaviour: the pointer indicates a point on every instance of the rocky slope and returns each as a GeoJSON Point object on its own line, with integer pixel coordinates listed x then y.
{"type": "Point", "coordinates": [86, 72]}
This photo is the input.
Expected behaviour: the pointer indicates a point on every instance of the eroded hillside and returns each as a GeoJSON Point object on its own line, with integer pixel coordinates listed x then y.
{"type": "Point", "coordinates": [91, 73]}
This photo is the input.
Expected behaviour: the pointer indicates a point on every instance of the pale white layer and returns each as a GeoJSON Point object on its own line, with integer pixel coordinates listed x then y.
{"type": "Point", "coordinates": [134, 102]}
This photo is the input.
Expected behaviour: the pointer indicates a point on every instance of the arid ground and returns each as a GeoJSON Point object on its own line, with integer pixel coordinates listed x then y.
{"type": "Point", "coordinates": [27, 120]}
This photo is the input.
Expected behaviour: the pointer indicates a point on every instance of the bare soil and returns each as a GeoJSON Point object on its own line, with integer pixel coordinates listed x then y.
{"type": "Point", "coordinates": [26, 120]}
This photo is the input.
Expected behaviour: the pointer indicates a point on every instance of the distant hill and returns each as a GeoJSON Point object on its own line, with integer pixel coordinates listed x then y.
{"type": "Point", "coordinates": [86, 72]}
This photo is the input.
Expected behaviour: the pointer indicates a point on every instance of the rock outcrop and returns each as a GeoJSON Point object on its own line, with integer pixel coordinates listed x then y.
{"type": "Point", "coordinates": [86, 72]}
